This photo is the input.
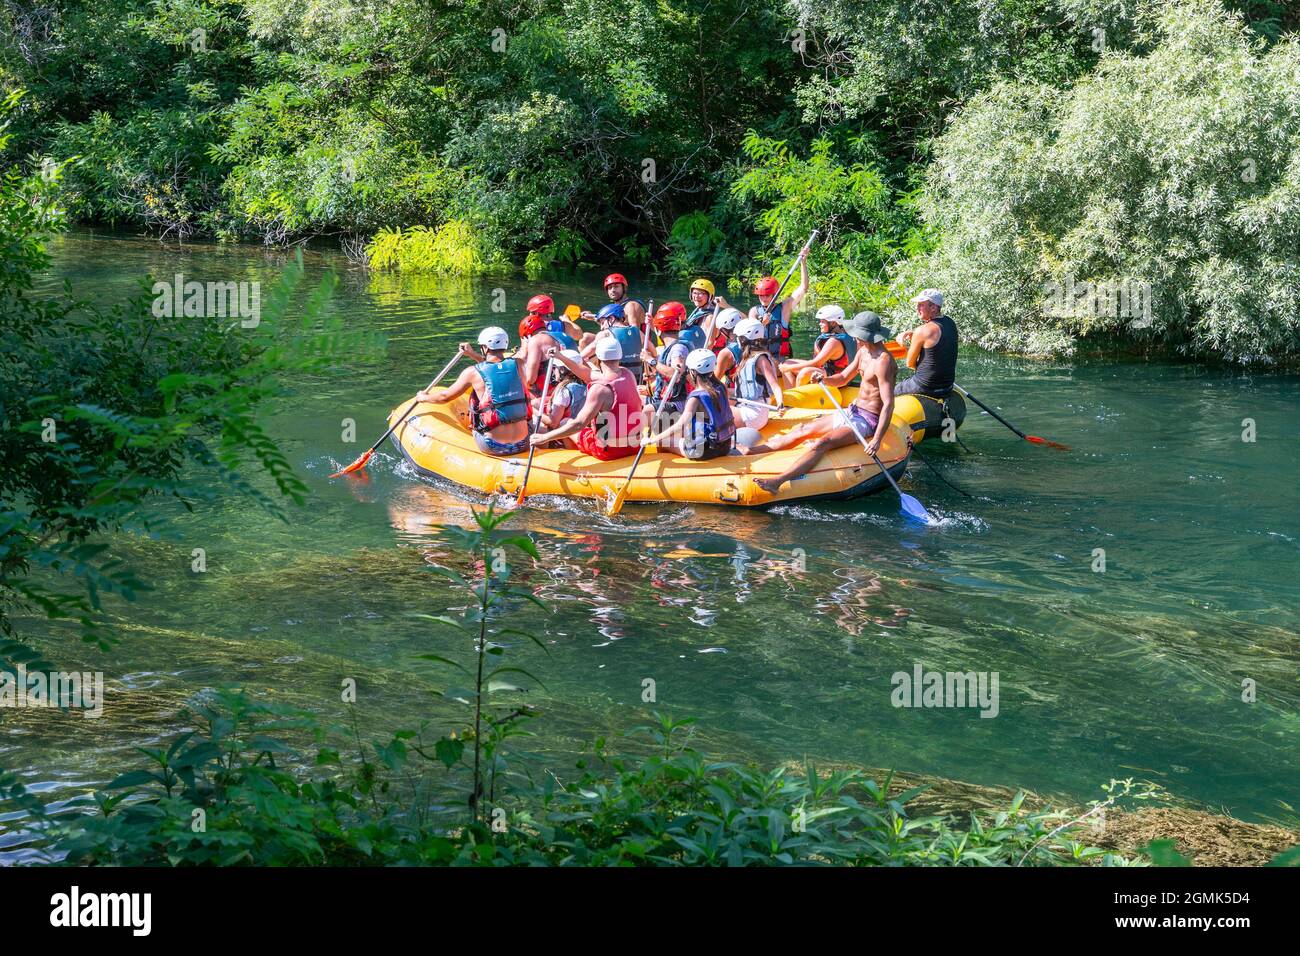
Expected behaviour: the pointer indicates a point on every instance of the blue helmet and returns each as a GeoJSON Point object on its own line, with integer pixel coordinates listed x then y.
{"type": "Point", "coordinates": [612, 311]}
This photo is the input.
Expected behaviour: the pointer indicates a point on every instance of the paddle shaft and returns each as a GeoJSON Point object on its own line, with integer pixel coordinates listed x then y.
{"type": "Point", "coordinates": [618, 501]}
{"type": "Point", "coordinates": [991, 412]}
{"type": "Point", "coordinates": [862, 439]}
{"type": "Point", "coordinates": [402, 418]}
{"type": "Point", "coordinates": [537, 419]}
{"type": "Point", "coordinates": [789, 275]}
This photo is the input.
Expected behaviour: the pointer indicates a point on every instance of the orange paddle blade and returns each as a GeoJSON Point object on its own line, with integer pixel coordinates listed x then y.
{"type": "Point", "coordinates": [1048, 442]}
{"type": "Point", "coordinates": [897, 350]}
{"type": "Point", "coordinates": [572, 312]}
{"type": "Point", "coordinates": [355, 466]}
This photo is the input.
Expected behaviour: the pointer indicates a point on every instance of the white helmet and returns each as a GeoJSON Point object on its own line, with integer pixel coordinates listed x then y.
{"type": "Point", "coordinates": [728, 318]}
{"type": "Point", "coordinates": [608, 349]}
{"type": "Point", "coordinates": [494, 338]}
{"type": "Point", "coordinates": [702, 361]}
{"type": "Point", "coordinates": [750, 329]}
{"type": "Point", "coordinates": [831, 313]}
{"type": "Point", "coordinates": [573, 355]}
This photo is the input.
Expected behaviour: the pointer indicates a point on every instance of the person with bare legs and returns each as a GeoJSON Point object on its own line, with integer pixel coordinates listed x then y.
{"type": "Point", "coordinates": [869, 414]}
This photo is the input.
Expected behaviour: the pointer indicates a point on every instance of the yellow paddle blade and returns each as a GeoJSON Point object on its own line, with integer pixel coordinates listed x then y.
{"type": "Point", "coordinates": [572, 312]}
{"type": "Point", "coordinates": [616, 505]}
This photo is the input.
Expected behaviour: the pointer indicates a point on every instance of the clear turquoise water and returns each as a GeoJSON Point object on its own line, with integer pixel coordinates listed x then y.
{"type": "Point", "coordinates": [1133, 672]}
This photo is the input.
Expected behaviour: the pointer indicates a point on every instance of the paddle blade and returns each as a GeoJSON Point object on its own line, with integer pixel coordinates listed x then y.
{"type": "Point", "coordinates": [896, 349]}
{"type": "Point", "coordinates": [616, 505]}
{"type": "Point", "coordinates": [355, 466]}
{"type": "Point", "coordinates": [914, 509]}
{"type": "Point", "coordinates": [1048, 442]}
{"type": "Point", "coordinates": [572, 312]}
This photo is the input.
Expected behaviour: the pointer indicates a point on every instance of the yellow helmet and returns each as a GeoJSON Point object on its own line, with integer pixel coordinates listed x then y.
{"type": "Point", "coordinates": [704, 284]}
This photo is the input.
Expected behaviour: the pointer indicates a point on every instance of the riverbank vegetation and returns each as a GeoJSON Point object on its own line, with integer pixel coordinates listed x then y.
{"type": "Point", "coordinates": [1004, 150]}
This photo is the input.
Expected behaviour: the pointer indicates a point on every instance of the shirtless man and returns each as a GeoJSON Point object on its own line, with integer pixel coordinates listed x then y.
{"type": "Point", "coordinates": [869, 413]}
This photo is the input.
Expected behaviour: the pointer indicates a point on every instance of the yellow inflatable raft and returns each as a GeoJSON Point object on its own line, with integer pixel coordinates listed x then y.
{"type": "Point", "coordinates": [435, 439]}
{"type": "Point", "coordinates": [921, 413]}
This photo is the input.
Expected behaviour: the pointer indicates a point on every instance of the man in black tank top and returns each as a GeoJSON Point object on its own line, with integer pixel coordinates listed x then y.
{"type": "Point", "coordinates": [931, 349]}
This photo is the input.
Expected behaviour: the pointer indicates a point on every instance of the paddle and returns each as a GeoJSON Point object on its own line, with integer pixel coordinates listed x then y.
{"type": "Point", "coordinates": [616, 505]}
{"type": "Point", "coordinates": [537, 418]}
{"type": "Point", "coordinates": [795, 265]}
{"type": "Point", "coordinates": [1033, 438]}
{"type": "Point", "coordinates": [361, 461]}
{"type": "Point", "coordinates": [910, 506]}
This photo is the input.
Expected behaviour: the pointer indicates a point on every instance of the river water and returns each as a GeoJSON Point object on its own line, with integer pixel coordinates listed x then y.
{"type": "Point", "coordinates": [779, 630]}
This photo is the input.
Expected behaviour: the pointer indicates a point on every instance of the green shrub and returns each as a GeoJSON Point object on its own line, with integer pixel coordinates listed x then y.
{"type": "Point", "coordinates": [1177, 172]}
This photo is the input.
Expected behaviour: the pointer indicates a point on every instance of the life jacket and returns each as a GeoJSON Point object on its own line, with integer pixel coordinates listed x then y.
{"type": "Point", "coordinates": [699, 315]}
{"type": "Point", "coordinates": [577, 392]}
{"type": "Point", "coordinates": [837, 365]}
{"type": "Point", "coordinates": [718, 430]}
{"type": "Point", "coordinates": [629, 340]}
{"type": "Point", "coordinates": [678, 396]}
{"type": "Point", "coordinates": [614, 428]}
{"type": "Point", "coordinates": [506, 401]}
{"type": "Point", "coordinates": [734, 348]}
{"type": "Point", "coordinates": [937, 368]}
{"type": "Point", "coordinates": [750, 384]}
{"type": "Point", "coordinates": [778, 332]}
{"type": "Point", "coordinates": [556, 330]}
{"type": "Point", "coordinates": [692, 336]}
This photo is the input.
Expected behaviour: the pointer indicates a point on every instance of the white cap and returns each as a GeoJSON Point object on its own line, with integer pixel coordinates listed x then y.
{"type": "Point", "coordinates": [728, 318]}
{"type": "Point", "coordinates": [494, 337]}
{"type": "Point", "coordinates": [608, 349]}
{"type": "Point", "coordinates": [750, 329]}
{"type": "Point", "coordinates": [702, 361]}
{"type": "Point", "coordinates": [830, 313]}
{"type": "Point", "coordinates": [929, 295]}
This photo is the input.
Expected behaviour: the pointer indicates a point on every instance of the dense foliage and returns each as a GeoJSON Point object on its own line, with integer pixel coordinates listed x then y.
{"type": "Point", "coordinates": [462, 135]}
{"type": "Point", "coordinates": [101, 411]}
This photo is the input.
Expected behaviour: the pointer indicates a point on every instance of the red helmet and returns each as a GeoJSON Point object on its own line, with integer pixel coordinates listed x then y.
{"type": "Point", "coordinates": [615, 277]}
{"type": "Point", "coordinates": [766, 286]}
{"type": "Point", "coordinates": [669, 317]}
{"type": "Point", "coordinates": [541, 305]}
{"type": "Point", "coordinates": [531, 325]}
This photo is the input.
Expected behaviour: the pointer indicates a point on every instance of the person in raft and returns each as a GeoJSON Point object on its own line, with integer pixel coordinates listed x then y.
{"type": "Point", "coordinates": [631, 310]}
{"type": "Point", "coordinates": [565, 330]}
{"type": "Point", "coordinates": [669, 361]}
{"type": "Point", "coordinates": [726, 345]}
{"type": "Point", "coordinates": [869, 414]}
{"type": "Point", "coordinates": [613, 320]}
{"type": "Point", "coordinates": [757, 381]}
{"type": "Point", "coordinates": [705, 300]}
{"type": "Point", "coordinates": [568, 394]}
{"type": "Point", "coordinates": [832, 351]}
{"type": "Point", "coordinates": [931, 349]}
{"type": "Point", "coordinates": [608, 426]}
{"type": "Point", "coordinates": [535, 342]}
{"type": "Point", "coordinates": [498, 404]}
{"type": "Point", "coordinates": [706, 428]}
{"type": "Point", "coordinates": [774, 315]}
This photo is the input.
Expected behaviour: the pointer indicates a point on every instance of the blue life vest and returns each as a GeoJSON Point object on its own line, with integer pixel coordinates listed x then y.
{"type": "Point", "coordinates": [555, 329]}
{"type": "Point", "coordinates": [692, 337]}
{"type": "Point", "coordinates": [699, 315]}
{"type": "Point", "coordinates": [629, 340]}
{"type": "Point", "coordinates": [778, 329]}
{"type": "Point", "coordinates": [835, 366]}
{"type": "Point", "coordinates": [577, 392]}
{"type": "Point", "coordinates": [734, 348]}
{"type": "Point", "coordinates": [750, 384]}
{"type": "Point", "coordinates": [718, 430]}
{"type": "Point", "coordinates": [505, 391]}
{"type": "Point", "coordinates": [678, 396]}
